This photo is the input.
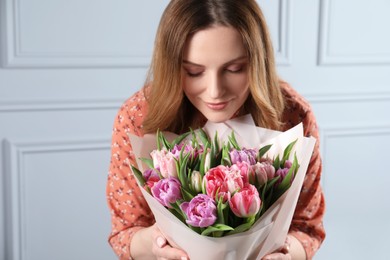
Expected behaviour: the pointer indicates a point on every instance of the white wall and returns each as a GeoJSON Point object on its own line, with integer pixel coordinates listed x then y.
{"type": "Point", "coordinates": [66, 66]}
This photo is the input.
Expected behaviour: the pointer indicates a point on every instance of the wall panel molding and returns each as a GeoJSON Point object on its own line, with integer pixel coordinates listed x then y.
{"type": "Point", "coordinates": [334, 97]}
{"type": "Point", "coordinates": [325, 55]}
{"type": "Point", "coordinates": [283, 53]}
{"type": "Point", "coordinates": [14, 56]}
{"type": "Point", "coordinates": [14, 154]}
{"type": "Point", "coordinates": [58, 104]}
{"type": "Point", "coordinates": [339, 132]}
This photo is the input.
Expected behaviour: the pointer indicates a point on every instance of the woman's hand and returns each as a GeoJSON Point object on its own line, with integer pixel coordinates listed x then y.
{"type": "Point", "coordinates": [162, 249]}
{"type": "Point", "coordinates": [150, 243]}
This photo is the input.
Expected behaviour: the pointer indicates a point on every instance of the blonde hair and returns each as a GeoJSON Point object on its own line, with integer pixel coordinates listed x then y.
{"type": "Point", "coordinates": [168, 107]}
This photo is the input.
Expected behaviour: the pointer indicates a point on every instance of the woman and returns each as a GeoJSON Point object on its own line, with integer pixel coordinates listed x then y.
{"type": "Point", "coordinates": [213, 60]}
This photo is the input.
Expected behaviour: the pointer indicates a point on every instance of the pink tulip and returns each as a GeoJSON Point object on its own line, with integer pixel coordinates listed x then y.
{"type": "Point", "coordinates": [150, 176]}
{"type": "Point", "coordinates": [246, 202]}
{"type": "Point", "coordinates": [264, 171]}
{"type": "Point", "coordinates": [165, 161]}
{"type": "Point", "coordinates": [234, 178]}
{"type": "Point", "coordinates": [245, 170]}
{"type": "Point", "coordinates": [214, 181]}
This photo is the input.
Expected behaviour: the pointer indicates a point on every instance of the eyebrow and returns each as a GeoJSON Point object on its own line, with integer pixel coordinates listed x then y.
{"type": "Point", "coordinates": [227, 63]}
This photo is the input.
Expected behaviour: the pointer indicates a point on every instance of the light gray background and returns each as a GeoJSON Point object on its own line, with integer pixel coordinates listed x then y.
{"type": "Point", "coordinates": [67, 65]}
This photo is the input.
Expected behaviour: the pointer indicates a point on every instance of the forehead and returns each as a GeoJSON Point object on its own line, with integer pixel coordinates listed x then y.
{"type": "Point", "coordinates": [214, 44]}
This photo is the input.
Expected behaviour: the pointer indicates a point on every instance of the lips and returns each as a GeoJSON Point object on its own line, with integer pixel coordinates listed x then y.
{"type": "Point", "coordinates": [217, 106]}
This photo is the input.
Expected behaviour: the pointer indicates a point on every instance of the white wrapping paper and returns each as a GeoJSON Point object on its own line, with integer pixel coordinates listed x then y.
{"type": "Point", "coordinates": [270, 231]}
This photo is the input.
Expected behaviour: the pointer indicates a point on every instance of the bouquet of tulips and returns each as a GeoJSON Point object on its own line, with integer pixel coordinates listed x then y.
{"type": "Point", "coordinates": [215, 189]}
{"type": "Point", "coordinates": [222, 185]}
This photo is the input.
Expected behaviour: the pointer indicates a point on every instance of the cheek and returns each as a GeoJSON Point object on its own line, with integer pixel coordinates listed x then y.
{"type": "Point", "coordinates": [239, 84]}
{"type": "Point", "coordinates": [191, 87]}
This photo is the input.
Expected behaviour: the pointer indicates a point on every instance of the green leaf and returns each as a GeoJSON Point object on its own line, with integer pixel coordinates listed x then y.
{"type": "Point", "coordinates": [164, 141]}
{"type": "Point", "coordinates": [287, 151]}
{"type": "Point", "coordinates": [179, 139]}
{"type": "Point", "coordinates": [203, 136]}
{"type": "Point", "coordinates": [295, 164]}
{"type": "Point", "coordinates": [216, 228]}
{"type": "Point", "coordinates": [176, 210]}
{"type": "Point", "coordinates": [148, 162]}
{"type": "Point", "coordinates": [216, 142]}
{"type": "Point", "coordinates": [221, 208]}
{"type": "Point", "coordinates": [138, 175]}
{"type": "Point", "coordinates": [203, 159]}
{"type": "Point", "coordinates": [243, 227]}
{"type": "Point", "coordinates": [187, 195]}
{"type": "Point", "coordinates": [286, 182]}
{"type": "Point", "coordinates": [182, 173]}
{"type": "Point", "coordinates": [263, 150]}
{"type": "Point", "coordinates": [276, 163]}
{"type": "Point", "coordinates": [233, 141]}
{"type": "Point", "coordinates": [226, 157]}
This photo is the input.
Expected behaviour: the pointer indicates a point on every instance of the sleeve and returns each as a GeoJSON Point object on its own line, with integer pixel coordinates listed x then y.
{"type": "Point", "coordinates": [128, 208]}
{"type": "Point", "coordinates": [307, 224]}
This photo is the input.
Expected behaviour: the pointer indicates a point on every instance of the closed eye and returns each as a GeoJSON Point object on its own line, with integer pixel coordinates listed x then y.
{"type": "Point", "coordinates": [236, 70]}
{"type": "Point", "coordinates": [235, 67]}
{"type": "Point", "coordinates": [190, 74]}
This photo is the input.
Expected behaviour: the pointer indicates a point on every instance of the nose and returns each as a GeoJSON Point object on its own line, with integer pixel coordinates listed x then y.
{"type": "Point", "coordinates": [215, 87]}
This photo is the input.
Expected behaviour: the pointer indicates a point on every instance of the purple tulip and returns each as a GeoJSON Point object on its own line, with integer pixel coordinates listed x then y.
{"type": "Point", "coordinates": [167, 191]}
{"type": "Point", "coordinates": [287, 164]}
{"type": "Point", "coordinates": [188, 149]}
{"type": "Point", "coordinates": [201, 211]}
{"type": "Point", "coordinates": [282, 174]}
{"type": "Point", "coordinates": [244, 155]}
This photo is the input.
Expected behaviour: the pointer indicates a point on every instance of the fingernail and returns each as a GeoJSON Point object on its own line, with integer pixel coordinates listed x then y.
{"type": "Point", "coordinates": [184, 258]}
{"type": "Point", "coordinates": [160, 241]}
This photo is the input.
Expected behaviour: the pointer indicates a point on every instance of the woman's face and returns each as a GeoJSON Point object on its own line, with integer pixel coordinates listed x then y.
{"type": "Point", "coordinates": [215, 72]}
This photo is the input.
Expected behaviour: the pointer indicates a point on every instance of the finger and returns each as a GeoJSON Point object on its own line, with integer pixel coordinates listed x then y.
{"type": "Point", "coordinates": [161, 242]}
{"type": "Point", "coordinates": [286, 247]}
{"type": "Point", "coordinates": [168, 252]}
{"type": "Point", "coordinates": [163, 250]}
{"type": "Point", "coordinates": [277, 256]}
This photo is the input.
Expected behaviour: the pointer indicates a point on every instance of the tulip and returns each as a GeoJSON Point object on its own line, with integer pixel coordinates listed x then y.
{"type": "Point", "coordinates": [287, 164]}
{"type": "Point", "coordinates": [207, 161]}
{"type": "Point", "coordinates": [167, 191]}
{"type": "Point", "coordinates": [234, 179]}
{"type": "Point", "coordinates": [165, 161]}
{"type": "Point", "coordinates": [196, 181]}
{"type": "Point", "coordinates": [263, 171]}
{"type": "Point", "coordinates": [246, 171]}
{"type": "Point", "coordinates": [150, 176]}
{"type": "Point", "coordinates": [214, 181]}
{"type": "Point", "coordinates": [244, 155]}
{"type": "Point", "coordinates": [188, 149]}
{"type": "Point", "coordinates": [246, 202]}
{"type": "Point", "coordinates": [282, 174]}
{"type": "Point", "coordinates": [201, 211]}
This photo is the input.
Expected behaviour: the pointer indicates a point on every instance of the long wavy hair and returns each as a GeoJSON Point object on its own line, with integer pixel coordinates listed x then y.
{"type": "Point", "coordinates": [168, 107]}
